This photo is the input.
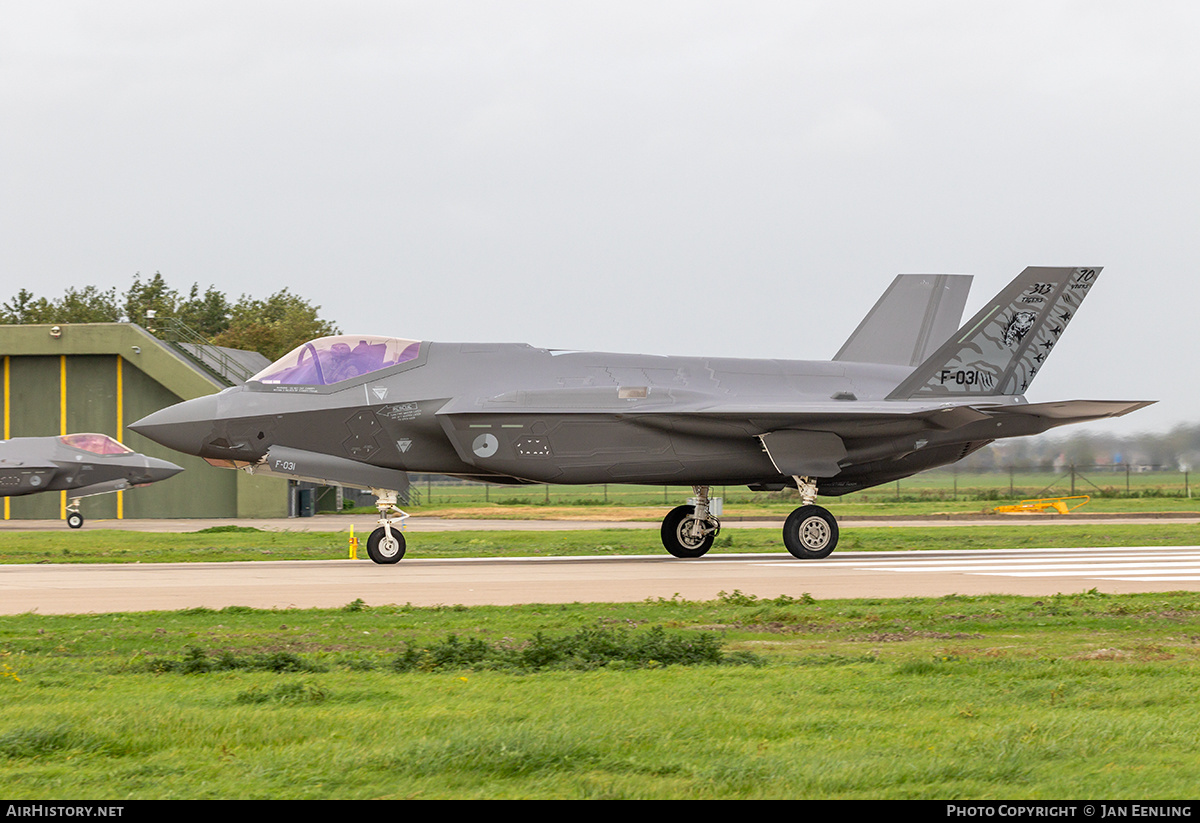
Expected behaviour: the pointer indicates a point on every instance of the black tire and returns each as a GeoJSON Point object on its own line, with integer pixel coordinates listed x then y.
{"type": "Point", "coordinates": [383, 551]}
{"type": "Point", "coordinates": [684, 545]}
{"type": "Point", "coordinates": [74, 520]}
{"type": "Point", "coordinates": [810, 533]}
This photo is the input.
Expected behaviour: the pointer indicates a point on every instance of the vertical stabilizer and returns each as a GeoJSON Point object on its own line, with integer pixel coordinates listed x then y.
{"type": "Point", "coordinates": [914, 315]}
{"type": "Point", "coordinates": [1001, 348]}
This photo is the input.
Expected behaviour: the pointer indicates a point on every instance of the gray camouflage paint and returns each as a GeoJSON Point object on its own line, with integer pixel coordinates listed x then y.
{"type": "Point", "coordinates": [30, 465]}
{"type": "Point", "coordinates": [512, 413]}
{"type": "Point", "coordinates": [1007, 342]}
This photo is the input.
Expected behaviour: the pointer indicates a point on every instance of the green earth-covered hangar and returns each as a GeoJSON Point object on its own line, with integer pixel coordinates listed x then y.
{"type": "Point", "coordinates": [98, 377]}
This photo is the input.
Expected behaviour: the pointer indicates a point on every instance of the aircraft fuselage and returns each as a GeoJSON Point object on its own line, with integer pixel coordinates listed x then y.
{"type": "Point", "coordinates": [582, 417]}
{"type": "Point", "coordinates": [361, 410]}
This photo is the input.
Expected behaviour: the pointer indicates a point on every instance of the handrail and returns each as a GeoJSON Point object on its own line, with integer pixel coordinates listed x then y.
{"type": "Point", "coordinates": [206, 354]}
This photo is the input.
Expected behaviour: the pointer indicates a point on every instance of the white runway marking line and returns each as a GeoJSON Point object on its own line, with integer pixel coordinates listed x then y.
{"type": "Point", "coordinates": [1150, 564]}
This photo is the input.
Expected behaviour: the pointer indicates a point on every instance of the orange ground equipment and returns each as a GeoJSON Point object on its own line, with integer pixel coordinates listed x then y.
{"type": "Point", "coordinates": [1061, 505]}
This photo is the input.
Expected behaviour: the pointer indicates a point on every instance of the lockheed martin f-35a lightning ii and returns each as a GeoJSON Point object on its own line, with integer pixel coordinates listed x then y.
{"type": "Point", "coordinates": [905, 393]}
{"type": "Point", "coordinates": [82, 465]}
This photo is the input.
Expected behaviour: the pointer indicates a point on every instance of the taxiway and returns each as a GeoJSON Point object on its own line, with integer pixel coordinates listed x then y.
{"type": "Point", "coordinates": [100, 588]}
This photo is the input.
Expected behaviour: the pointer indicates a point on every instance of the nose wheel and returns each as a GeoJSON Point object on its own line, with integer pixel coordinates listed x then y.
{"type": "Point", "coordinates": [74, 518]}
{"type": "Point", "coordinates": [386, 544]}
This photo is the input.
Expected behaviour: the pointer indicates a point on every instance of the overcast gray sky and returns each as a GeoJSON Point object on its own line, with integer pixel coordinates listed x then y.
{"type": "Point", "coordinates": [725, 178]}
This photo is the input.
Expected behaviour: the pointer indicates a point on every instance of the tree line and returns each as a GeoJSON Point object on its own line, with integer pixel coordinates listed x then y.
{"type": "Point", "coordinates": [271, 326]}
{"type": "Point", "coordinates": [1175, 449]}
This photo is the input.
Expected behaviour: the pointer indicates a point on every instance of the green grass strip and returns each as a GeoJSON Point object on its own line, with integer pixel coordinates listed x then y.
{"type": "Point", "coordinates": [110, 546]}
{"type": "Point", "coordinates": [990, 697]}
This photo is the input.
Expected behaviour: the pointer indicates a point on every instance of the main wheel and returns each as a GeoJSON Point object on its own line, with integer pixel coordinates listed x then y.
{"type": "Point", "coordinates": [75, 520]}
{"type": "Point", "coordinates": [810, 533]}
{"type": "Point", "coordinates": [384, 549]}
{"type": "Point", "coordinates": [677, 534]}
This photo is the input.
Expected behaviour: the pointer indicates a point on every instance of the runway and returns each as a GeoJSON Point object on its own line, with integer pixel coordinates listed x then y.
{"type": "Point", "coordinates": [102, 588]}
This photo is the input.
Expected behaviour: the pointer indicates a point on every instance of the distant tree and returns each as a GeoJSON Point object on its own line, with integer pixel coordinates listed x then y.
{"type": "Point", "coordinates": [274, 326]}
{"type": "Point", "coordinates": [87, 305]}
{"type": "Point", "coordinates": [154, 295]}
{"type": "Point", "coordinates": [26, 308]}
{"type": "Point", "coordinates": [1178, 447]}
{"type": "Point", "coordinates": [207, 315]}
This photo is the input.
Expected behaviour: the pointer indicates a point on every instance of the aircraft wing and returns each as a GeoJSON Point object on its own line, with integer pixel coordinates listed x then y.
{"type": "Point", "coordinates": [809, 439]}
{"type": "Point", "coordinates": [679, 405]}
{"type": "Point", "coordinates": [819, 452]}
{"type": "Point", "coordinates": [637, 401]}
{"type": "Point", "coordinates": [941, 415]}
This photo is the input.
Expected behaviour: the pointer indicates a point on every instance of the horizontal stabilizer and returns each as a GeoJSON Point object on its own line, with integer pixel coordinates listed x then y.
{"type": "Point", "coordinates": [1078, 411]}
{"type": "Point", "coordinates": [913, 317]}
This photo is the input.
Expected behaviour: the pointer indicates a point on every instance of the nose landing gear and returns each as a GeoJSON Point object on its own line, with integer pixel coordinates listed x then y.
{"type": "Point", "coordinates": [74, 517]}
{"type": "Point", "coordinates": [386, 544]}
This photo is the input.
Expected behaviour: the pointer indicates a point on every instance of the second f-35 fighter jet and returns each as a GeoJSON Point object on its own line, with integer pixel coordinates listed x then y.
{"type": "Point", "coordinates": [903, 395]}
{"type": "Point", "coordinates": [82, 465]}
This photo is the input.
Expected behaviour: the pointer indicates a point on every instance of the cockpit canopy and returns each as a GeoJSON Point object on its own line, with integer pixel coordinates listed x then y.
{"type": "Point", "coordinates": [329, 360]}
{"type": "Point", "coordinates": [95, 443]}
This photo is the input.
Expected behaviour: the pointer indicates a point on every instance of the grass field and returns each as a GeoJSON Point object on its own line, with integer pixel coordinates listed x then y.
{"type": "Point", "coordinates": [1088, 696]}
{"type": "Point", "coordinates": [112, 546]}
{"type": "Point", "coordinates": [933, 492]}
{"type": "Point", "coordinates": [767, 507]}
{"type": "Point", "coordinates": [1083, 696]}
{"type": "Point", "coordinates": [959, 490]}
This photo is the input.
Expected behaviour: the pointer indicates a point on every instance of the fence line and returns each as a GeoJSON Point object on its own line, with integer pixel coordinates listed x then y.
{"type": "Point", "coordinates": [1015, 482]}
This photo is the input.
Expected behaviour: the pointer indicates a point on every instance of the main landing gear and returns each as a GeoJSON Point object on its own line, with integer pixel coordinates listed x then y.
{"type": "Point", "coordinates": [809, 533]}
{"type": "Point", "coordinates": [386, 544]}
{"type": "Point", "coordinates": [689, 531]}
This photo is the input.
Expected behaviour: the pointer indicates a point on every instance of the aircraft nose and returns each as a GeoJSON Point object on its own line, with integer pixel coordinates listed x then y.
{"type": "Point", "coordinates": [183, 427]}
{"type": "Point", "coordinates": [156, 470]}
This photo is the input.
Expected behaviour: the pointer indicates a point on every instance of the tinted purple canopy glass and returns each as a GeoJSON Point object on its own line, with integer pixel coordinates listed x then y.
{"type": "Point", "coordinates": [329, 360]}
{"type": "Point", "coordinates": [95, 443]}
